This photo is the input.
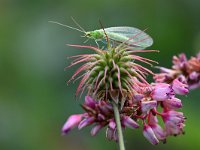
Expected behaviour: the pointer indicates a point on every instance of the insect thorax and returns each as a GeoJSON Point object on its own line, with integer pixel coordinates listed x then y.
{"type": "Point", "coordinates": [95, 34]}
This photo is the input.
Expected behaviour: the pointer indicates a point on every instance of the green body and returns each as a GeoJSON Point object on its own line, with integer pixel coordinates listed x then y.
{"type": "Point", "coordinates": [130, 36]}
{"type": "Point", "coordinates": [100, 35]}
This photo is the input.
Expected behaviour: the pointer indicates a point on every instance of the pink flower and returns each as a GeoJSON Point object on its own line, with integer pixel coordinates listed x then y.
{"type": "Point", "coordinates": [96, 129]}
{"type": "Point", "coordinates": [157, 129]}
{"type": "Point", "coordinates": [194, 75]}
{"type": "Point", "coordinates": [71, 122]}
{"type": "Point", "coordinates": [162, 91]}
{"type": "Point", "coordinates": [112, 124]}
{"type": "Point", "coordinates": [187, 69]}
{"type": "Point", "coordinates": [179, 62]}
{"type": "Point", "coordinates": [148, 105]}
{"type": "Point", "coordinates": [130, 123]}
{"type": "Point", "coordinates": [90, 102]}
{"type": "Point", "coordinates": [137, 97]}
{"type": "Point", "coordinates": [150, 135]}
{"type": "Point", "coordinates": [179, 87]}
{"type": "Point", "coordinates": [86, 122]}
{"type": "Point", "coordinates": [173, 103]}
{"type": "Point", "coordinates": [174, 122]}
{"type": "Point", "coordinates": [111, 134]}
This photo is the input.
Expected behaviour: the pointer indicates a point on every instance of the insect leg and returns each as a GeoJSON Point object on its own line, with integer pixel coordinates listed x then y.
{"type": "Point", "coordinates": [96, 43]}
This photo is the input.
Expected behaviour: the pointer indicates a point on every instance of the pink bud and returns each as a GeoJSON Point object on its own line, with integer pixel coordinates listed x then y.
{"type": "Point", "coordinates": [115, 135]}
{"type": "Point", "coordinates": [179, 87]}
{"type": "Point", "coordinates": [162, 91]}
{"type": "Point", "coordinates": [173, 103]}
{"type": "Point", "coordinates": [161, 77]}
{"type": "Point", "coordinates": [137, 98]}
{"type": "Point", "coordinates": [174, 122]}
{"type": "Point", "coordinates": [96, 129]}
{"type": "Point", "coordinates": [148, 105]}
{"type": "Point", "coordinates": [150, 135]}
{"type": "Point", "coordinates": [166, 70]}
{"type": "Point", "coordinates": [106, 109]}
{"type": "Point", "coordinates": [71, 122]}
{"type": "Point", "coordinates": [101, 117]}
{"type": "Point", "coordinates": [109, 133]}
{"type": "Point", "coordinates": [86, 122]}
{"type": "Point", "coordinates": [173, 116]}
{"type": "Point", "coordinates": [158, 131]}
{"type": "Point", "coordinates": [89, 101]}
{"type": "Point", "coordinates": [112, 124]}
{"type": "Point", "coordinates": [127, 121]}
{"type": "Point", "coordinates": [194, 85]}
{"type": "Point", "coordinates": [194, 75]}
{"type": "Point", "coordinates": [152, 119]}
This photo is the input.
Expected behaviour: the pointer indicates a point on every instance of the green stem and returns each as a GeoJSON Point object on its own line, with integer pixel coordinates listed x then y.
{"type": "Point", "coordinates": [119, 128]}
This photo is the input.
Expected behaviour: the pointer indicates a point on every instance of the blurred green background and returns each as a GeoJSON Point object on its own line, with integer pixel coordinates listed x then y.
{"type": "Point", "coordinates": [34, 98]}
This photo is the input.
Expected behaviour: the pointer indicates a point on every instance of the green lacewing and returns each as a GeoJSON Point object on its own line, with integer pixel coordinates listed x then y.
{"type": "Point", "coordinates": [130, 36]}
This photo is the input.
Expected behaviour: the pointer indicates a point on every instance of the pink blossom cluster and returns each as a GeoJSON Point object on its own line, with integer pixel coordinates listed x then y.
{"type": "Point", "coordinates": [185, 70]}
{"type": "Point", "coordinates": [140, 110]}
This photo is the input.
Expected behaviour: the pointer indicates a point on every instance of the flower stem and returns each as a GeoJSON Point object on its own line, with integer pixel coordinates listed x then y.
{"type": "Point", "coordinates": [119, 128]}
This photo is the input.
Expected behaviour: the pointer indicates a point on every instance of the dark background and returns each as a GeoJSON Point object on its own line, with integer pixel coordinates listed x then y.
{"type": "Point", "coordinates": [34, 98]}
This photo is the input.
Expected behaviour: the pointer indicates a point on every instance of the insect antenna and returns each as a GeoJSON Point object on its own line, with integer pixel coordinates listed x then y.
{"type": "Point", "coordinates": [107, 39]}
{"type": "Point", "coordinates": [83, 31]}
{"type": "Point", "coordinates": [86, 40]}
{"type": "Point", "coordinates": [77, 24]}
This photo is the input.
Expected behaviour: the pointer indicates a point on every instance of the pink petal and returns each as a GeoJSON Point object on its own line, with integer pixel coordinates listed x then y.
{"type": "Point", "coordinates": [150, 135]}
{"type": "Point", "coordinates": [71, 122]}
{"type": "Point", "coordinates": [85, 122]}
{"type": "Point", "coordinates": [127, 121]}
{"type": "Point", "coordinates": [179, 87]}
{"type": "Point", "coordinates": [96, 129]}
{"type": "Point", "coordinates": [89, 101]}
{"type": "Point", "coordinates": [148, 105]}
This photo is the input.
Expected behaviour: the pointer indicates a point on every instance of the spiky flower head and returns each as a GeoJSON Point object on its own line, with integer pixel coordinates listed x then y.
{"type": "Point", "coordinates": [110, 74]}
{"type": "Point", "coordinates": [115, 75]}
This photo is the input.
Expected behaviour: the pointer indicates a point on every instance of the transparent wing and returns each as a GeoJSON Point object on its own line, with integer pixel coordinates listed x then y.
{"type": "Point", "coordinates": [131, 36]}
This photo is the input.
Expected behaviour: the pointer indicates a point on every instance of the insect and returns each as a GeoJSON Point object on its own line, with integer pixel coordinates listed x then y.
{"type": "Point", "coordinates": [129, 36]}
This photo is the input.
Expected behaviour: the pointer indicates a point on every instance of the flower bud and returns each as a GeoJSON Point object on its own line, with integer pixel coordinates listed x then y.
{"type": "Point", "coordinates": [137, 98]}
{"type": "Point", "coordinates": [174, 122]}
{"type": "Point", "coordinates": [179, 87]}
{"type": "Point", "coordinates": [150, 135]}
{"type": "Point", "coordinates": [194, 75]}
{"type": "Point", "coordinates": [158, 131]}
{"type": "Point", "coordinates": [127, 121]}
{"type": "Point", "coordinates": [85, 122]}
{"type": "Point", "coordinates": [148, 105]}
{"type": "Point", "coordinates": [112, 124]}
{"type": "Point", "coordinates": [109, 133]}
{"type": "Point", "coordinates": [71, 122]}
{"type": "Point", "coordinates": [96, 129]}
{"type": "Point", "coordinates": [173, 103]}
{"type": "Point", "coordinates": [89, 102]}
{"type": "Point", "coordinates": [162, 91]}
